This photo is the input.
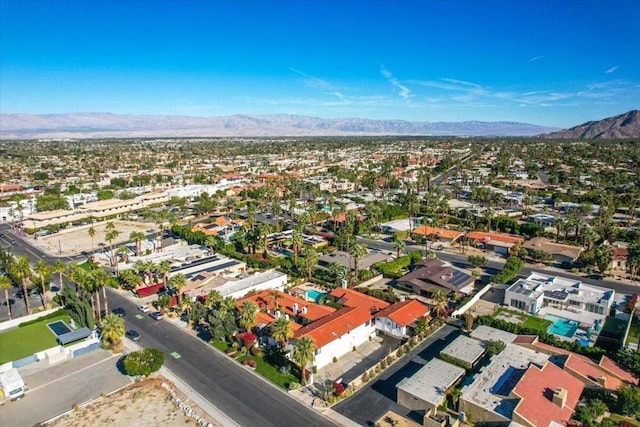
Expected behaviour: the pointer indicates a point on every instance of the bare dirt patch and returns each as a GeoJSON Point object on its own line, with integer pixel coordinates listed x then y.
{"type": "Point", "coordinates": [142, 404]}
{"type": "Point", "coordinates": [390, 417]}
{"type": "Point", "coordinates": [72, 241]}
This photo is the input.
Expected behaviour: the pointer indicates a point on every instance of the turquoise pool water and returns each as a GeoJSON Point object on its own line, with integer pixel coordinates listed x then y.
{"type": "Point", "coordinates": [315, 295]}
{"type": "Point", "coordinates": [284, 252]}
{"type": "Point", "coordinates": [563, 327]}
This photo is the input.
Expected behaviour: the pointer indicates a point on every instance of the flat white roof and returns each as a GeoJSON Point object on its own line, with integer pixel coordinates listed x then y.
{"type": "Point", "coordinates": [431, 382]}
{"type": "Point", "coordinates": [251, 281]}
{"type": "Point", "coordinates": [537, 284]}
{"type": "Point", "coordinates": [487, 333]}
{"type": "Point", "coordinates": [492, 386]}
{"type": "Point", "coordinates": [465, 349]}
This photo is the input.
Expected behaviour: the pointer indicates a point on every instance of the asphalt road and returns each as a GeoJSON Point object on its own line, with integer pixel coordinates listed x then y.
{"type": "Point", "coordinates": [379, 396]}
{"type": "Point", "coordinates": [243, 396]}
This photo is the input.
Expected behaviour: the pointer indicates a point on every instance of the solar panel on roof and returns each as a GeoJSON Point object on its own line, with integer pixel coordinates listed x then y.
{"type": "Point", "coordinates": [458, 278]}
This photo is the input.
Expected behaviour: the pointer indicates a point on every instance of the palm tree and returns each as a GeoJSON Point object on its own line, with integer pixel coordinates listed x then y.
{"type": "Point", "coordinates": [178, 282]}
{"type": "Point", "coordinates": [357, 252]}
{"type": "Point", "coordinates": [21, 272]}
{"type": "Point", "coordinates": [212, 243]}
{"type": "Point", "coordinates": [130, 279]}
{"type": "Point", "coordinates": [164, 268]}
{"type": "Point", "coordinates": [339, 272]}
{"type": "Point", "coordinates": [398, 243]}
{"type": "Point", "coordinates": [102, 279]}
{"type": "Point", "coordinates": [59, 268]}
{"type": "Point", "coordinates": [228, 305]}
{"type": "Point", "coordinates": [311, 260]}
{"type": "Point", "coordinates": [248, 315]}
{"type": "Point", "coordinates": [440, 303]}
{"type": "Point", "coordinates": [304, 354]}
{"type": "Point", "coordinates": [281, 331]}
{"type": "Point", "coordinates": [111, 234]}
{"type": "Point", "coordinates": [43, 270]}
{"type": "Point", "coordinates": [137, 237]}
{"type": "Point", "coordinates": [5, 284]}
{"type": "Point", "coordinates": [214, 299]}
{"type": "Point", "coordinates": [275, 296]}
{"type": "Point", "coordinates": [112, 330]}
{"type": "Point", "coordinates": [296, 242]}
{"type": "Point", "coordinates": [92, 233]}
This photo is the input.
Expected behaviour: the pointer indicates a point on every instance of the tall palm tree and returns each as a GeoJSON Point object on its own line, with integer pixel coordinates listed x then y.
{"type": "Point", "coordinates": [339, 272]}
{"type": "Point", "coordinates": [281, 331]}
{"type": "Point", "coordinates": [398, 243]}
{"type": "Point", "coordinates": [5, 284]}
{"type": "Point", "coordinates": [228, 305]}
{"type": "Point", "coordinates": [214, 299]}
{"type": "Point", "coordinates": [296, 242]}
{"type": "Point", "coordinates": [137, 237]}
{"type": "Point", "coordinates": [59, 268]}
{"type": "Point", "coordinates": [178, 282]}
{"type": "Point", "coordinates": [304, 354]}
{"type": "Point", "coordinates": [43, 270]}
{"type": "Point", "coordinates": [248, 315]}
{"type": "Point", "coordinates": [102, 279]}
{"type": "Point", "coordinates": [92, 233]}
{"type": "Point", "coordinates": [311, 259]}
{"type": "Point", "coordinates": [164, 268]}
{"type": "Point", "coordinates": [111, 234]}
{"type": "Point", "coordinates": [275, 296]}
{"type": "Point", "coordinates": [21, 272]}
{"type": "Point", "coordinates": [112, 330]}
{"type": "Point", "coordinates": [357, 253]}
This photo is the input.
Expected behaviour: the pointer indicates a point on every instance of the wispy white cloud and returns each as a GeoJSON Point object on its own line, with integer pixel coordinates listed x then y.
{"type": "Point", "coordinates": [535, 58]}
{"type": "Point", "coordinates": [312, 81]}
{"type": "Point", "coordinates": [612, 69]}
{"type": "Point", "coordinates": [403, 91]}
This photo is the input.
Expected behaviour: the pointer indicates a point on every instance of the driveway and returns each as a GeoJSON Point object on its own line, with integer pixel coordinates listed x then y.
{"type": "Point", "coordinates": [55, 390]}
{"type": "Point", "coordinates": [379, 396]}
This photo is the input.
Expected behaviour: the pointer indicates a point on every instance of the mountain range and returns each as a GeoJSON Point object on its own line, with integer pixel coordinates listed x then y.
{"type": "Point", "coordinates": [625, 125]}
{"type": "Point", "coordinates": [106, 125]}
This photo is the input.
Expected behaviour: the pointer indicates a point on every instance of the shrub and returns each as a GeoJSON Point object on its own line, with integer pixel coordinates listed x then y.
{"type": "Point", "coordinates": [251, 363]}
{"type": "Point", "coordinates": [293, 385]}
{"type": "Point", "coordinates": [335, 359]}
{"type": "Point", "coordinates": [143, 362]}
{"type": "Point", "coordinates": [255, 351]}
{"type": "Point", "coordinates": [39, 319]}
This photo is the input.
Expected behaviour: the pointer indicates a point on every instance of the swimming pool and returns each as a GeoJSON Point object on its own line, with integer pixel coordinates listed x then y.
{"type": "Point", "coordinates": [284, 252]}
{"type": "Point", "coordinates": [562, 327]}
{"type": "Point", "coordinates": [59, 328]}
{"type": "Point", "coordinates": [315, 295]}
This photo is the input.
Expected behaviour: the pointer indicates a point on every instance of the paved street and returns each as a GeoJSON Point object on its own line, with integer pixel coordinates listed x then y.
{"type": "Point", "coordinates": [55, 390]}
{"type": "Point", "coordinates": [243, 396]}
{"type": "Point", "coordinates": [379, 396]}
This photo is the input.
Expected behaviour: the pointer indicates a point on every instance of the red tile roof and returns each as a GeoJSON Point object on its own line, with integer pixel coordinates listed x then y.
{"type": "Point", "coordinates": [443, 233]}
{"type": "Point", "coordinates": [404, 313]}
{"type": "Point", "coordinates": [335, 325]}
{"type": "Point", "coordinates": [264, 300]}
{"type": "Point", "coordinates": [617, 370]}
{"type": "Point", "coordinates": [526, 339]}
{"type": "Point", "coordinates": [482, 236]}
{"type": "Point", "coordinates": [351, 298]}
{"type": "Point", "coordinates": [590, 371]}
{"type": "Point", "coordinates": [536, 388]}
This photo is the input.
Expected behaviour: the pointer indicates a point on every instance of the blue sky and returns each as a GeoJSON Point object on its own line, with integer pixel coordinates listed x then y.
{"type": "Point", "coordinates": [551, 62]}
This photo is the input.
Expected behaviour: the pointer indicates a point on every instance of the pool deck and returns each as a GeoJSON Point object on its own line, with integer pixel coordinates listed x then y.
{"type": "Point", "coordinates": [582, 318]}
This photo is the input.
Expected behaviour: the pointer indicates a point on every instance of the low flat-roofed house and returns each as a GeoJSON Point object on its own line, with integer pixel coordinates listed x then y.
{"type": "Point", "coordinates": [495, 242]}
{"type": "Point", "coordinates": [270, 279]}
{"type": "Point", "coordinates": [487, 333]}
{"type": "Point", "coordinates": [433, 275]}
{"type": "Point", "coordinates": [489, 397]}
{"type": "Point", "coordinates": [396, 319]}
{"type": "Point", "coordinates": [543, 219]}
{"type": "Point", "coordinates": [561, 253]}
{"type": "Point", "coordinates": [39, 220]}
{"type": "Point", "coordinates": [571, 296]}
{"type": "Point", "coordinates": [427, 388]}
{"type": "Point", "coordinates": [464, 350]}
{"type": "Point", "coordinates": [548, 397]}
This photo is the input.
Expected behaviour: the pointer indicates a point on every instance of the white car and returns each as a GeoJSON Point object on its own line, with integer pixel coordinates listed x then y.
{"type": "Point", "coordinates": [144, 308]}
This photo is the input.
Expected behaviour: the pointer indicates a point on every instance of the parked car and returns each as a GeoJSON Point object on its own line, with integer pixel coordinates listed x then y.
{"type": "Point", "coordinates": [132, 335]}
{"type": "Point", "coordinates": [119, 311]}
{"type": "Point", "coordinates": [156, 315]}
{"type": "Point", "coordinates": [144, 308]}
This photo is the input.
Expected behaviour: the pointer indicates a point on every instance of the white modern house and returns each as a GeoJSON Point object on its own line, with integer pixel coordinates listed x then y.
{"type": "Point", "coordinates": [541, 290]}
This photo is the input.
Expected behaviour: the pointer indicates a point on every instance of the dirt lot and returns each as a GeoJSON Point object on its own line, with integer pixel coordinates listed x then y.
{"type": "Point", "coordinates": [74, 240]}
{"type": "Point", "coordinates": [142, 404]}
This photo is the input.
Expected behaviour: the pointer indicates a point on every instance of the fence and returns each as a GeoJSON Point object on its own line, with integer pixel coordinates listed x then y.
{"type": "Point", "coordinates": [13, 323]}
{"type": "Point", "coordinates": [472, 301]}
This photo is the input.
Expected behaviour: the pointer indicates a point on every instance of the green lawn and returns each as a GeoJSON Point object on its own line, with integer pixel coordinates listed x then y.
{"type": "Point", "coordinates": [618, 418]}
{"type": "Point", "coordinates": [221, 345]}
{"type": "Point", "coordinates": [272, 373]}
{"type": "Point", "coordinates": [634, 331]}
{"type": "Point", "coordinates": [22, 342]}
{"type": "Point", "coordinates": [536, 323]}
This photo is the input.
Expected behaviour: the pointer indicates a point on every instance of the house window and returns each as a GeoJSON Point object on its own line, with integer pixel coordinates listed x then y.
{"type": "Point", "coordinates": [520, 305]}
{"type": "Point", "coordinates": [572, 302]}
{"type": "Point", "coordinates": [318, 351]}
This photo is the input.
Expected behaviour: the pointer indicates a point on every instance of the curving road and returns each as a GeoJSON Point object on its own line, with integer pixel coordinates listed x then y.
{"type": "Point", "coordinates": [243, 396]}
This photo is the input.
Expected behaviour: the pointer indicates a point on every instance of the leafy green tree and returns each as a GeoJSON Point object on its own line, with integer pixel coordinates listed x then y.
{"type": "Point", "coordinates": [143, 362]}
{"type": "Point", "coordinates": [477, 260]}
{"type": "Point", "coordinates": [493, 347]}
{"type": "Point", "coordinates": [603, 257]}
{"type": "Point", "coordinates": [78, 308]}
{"type": "Point", "coordinates": [629, 400]}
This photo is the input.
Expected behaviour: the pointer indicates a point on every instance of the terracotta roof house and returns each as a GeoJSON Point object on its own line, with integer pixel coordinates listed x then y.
{"type": "Point", "coordinates": [496, 242]}
{"type": "Point", "coordinates": [619, 259]}
{"type": "Point", "coordinates": [277, 303]}
{"type": "Point", "coordinates": [396, 319]}
{"type": "Point", "coordinates": [442, 235]}
{"type": "Point", "coordinates": [434, 275]}
{"type": "Point", "coordinates": [351, 298]}
{"type": "Point", "coordinates": [338, 333]}
{"type": "Point", "coordinates": [548, 396]}
{"type": "Point", "coordinates": [561, 253]}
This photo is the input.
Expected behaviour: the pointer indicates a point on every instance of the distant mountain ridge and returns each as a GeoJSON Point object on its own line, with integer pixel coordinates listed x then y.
{"type": "Point", "coordinates": [105, 125]}
{"type": "Point", "coordinates": [625, 125]}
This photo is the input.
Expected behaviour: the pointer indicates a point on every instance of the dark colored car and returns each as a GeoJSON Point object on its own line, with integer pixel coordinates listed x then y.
{"type": "Point", "coordinates": [156, 315]}
{"type": "Point", "coordinates": [132, 335]}
{"type": "Point", "coordinates": [119, 311]}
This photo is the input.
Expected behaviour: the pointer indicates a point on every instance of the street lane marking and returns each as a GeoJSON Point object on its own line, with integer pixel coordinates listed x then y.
{"type": "Point", "coordinates": [176, 355]}
{"type": "Point", "coordinates": [139, 316]}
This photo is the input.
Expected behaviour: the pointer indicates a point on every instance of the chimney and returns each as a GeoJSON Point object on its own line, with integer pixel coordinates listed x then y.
{"type": "Point", "coordinates": [602, 381]}
{"type": "Point", "coordinates": [560, 397]}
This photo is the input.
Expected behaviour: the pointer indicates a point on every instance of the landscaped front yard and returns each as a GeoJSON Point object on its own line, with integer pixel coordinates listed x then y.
{"type": "Point", "coordinates": [525, 320]}
{"type": "Point", "coordinates": [27, 340]}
